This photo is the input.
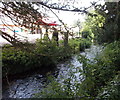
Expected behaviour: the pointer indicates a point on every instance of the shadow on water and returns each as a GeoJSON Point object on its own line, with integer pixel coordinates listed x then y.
{"type": "Point", "coordinates": [23, 85]}
{"type": "Point", "coordinates": [26, 87]}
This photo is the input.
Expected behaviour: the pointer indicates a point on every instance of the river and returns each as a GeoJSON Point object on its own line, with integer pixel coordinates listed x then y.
{"type": "Point", "coordinates": [25, 88]}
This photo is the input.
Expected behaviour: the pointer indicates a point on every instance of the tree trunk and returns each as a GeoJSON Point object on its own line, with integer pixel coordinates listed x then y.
{"type": "Point", "coordinates": [66, 38]}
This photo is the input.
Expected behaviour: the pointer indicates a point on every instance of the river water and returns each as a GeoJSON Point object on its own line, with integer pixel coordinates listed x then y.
{"type": "Point", "coordinates": [25, 88]}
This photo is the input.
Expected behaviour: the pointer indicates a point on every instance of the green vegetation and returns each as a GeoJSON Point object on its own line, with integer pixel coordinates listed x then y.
{"type": "Point", "coordinates": [94, 25]}
{"type": "Point", "coordinates": [16, 61]}
{"type": "Point", "coordinates": [105, 24]}
{"type": "Point", "coordinates": [79, 44]}
{"type": "Point", "coordinates": [100, 78]}
{"type": "Point", "coordinates": [99, 75]}
{"type": "Point", "coordinates": [50, 49]}
{"type": "Point", "coordinates": [44, 54]}
{"type": "Point", "coordinates": [84, 44]}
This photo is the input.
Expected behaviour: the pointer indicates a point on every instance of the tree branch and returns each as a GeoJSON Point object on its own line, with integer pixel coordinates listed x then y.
{"type": "Point", "coordinates": [70, 10]}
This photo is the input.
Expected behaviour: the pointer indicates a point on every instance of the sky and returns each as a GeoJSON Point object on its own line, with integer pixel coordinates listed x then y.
{"type": "Point", "coordinates": [67, 17]}
{"type": "Point", "coordinates": [70, 18]}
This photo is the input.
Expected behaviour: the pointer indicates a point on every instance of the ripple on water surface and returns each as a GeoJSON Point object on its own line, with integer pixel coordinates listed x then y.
{"type": "Point", "coordinates": [25, 88]}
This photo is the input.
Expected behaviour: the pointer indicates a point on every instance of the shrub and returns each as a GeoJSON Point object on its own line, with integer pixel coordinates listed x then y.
{"type": "Point", "coordinates": [84, 43]}
{"type": "Point", "coordinates": [79, 44]}
{"type": "Point", "coordinates": [49, 48]}
{"type": "Point", "coordinates": [111, 55]}
{"type": "Point", "coordinates": [100, 79]}
{"type": "Point", "coordinates": [103, 71]}
{"type": "Point", "coordinates": [44, 55]}
{"type": "Point", "coordinates": [111, 90]}
{"type": "Point", "coordinates": [16, 61]}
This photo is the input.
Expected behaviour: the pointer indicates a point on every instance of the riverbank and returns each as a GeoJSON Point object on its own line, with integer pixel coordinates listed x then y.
{"type": "Point", "coordinates": [73, 76]}
{"type": "Point", "coordinates": [44, 54]}
{"type": "Point", "coordinates": [97, 78]}
{"type": "Point", "coordinates": [39, 58]}
{"type": "Point", "coordinates": [62, 73]}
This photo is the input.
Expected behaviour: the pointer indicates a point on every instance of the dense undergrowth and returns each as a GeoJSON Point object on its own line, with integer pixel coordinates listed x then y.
{"type": "Point", "coordinates": [44, 55]}
{"type": "Point", "coordinates": [100, 79]}
{"type": "Point", "coordinates": [79, 44]}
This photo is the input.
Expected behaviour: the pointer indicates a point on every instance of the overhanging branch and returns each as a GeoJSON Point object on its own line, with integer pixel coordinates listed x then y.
{"type": "Point", "coordinates": [70, 10]}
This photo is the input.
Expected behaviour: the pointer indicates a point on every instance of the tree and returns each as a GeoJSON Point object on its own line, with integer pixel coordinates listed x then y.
{"type": "Point", "coordinates": [25, 14]}
{"type": "Point", "coordinates": [111, 26]}
{"type": "Point", "coordinates": [105, 26]}
{"type": "Point", "coordinates": [94, 25]}
{"type": "Point", "coordinates": [20, 13]}
{"type": "Point", "coordinates": [55, 35]}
